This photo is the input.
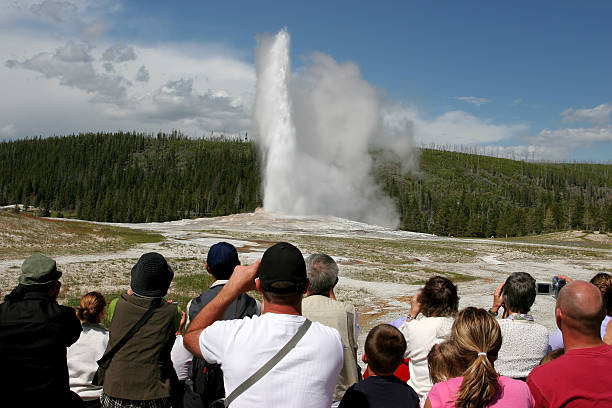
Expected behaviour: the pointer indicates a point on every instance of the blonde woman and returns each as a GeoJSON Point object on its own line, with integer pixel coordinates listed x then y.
{"type": "Point", "coordinates": [477, 337]}
{"type": "Point", "coordinates": [90, 346]}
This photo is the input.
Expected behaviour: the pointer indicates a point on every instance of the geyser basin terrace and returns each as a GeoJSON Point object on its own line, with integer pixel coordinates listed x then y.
{"type": "Point", "coordinates": [380, 268]}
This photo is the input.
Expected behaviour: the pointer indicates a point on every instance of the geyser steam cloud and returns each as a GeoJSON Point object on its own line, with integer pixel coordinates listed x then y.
{"type": "Point", "coordinates": [315, 129]}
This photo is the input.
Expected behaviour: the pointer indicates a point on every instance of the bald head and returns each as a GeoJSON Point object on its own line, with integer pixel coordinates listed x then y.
{"type": "Point", "coordinates": [581, 306]}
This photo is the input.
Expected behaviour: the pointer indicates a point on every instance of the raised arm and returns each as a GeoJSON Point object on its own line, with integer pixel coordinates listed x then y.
{"type": "Point", "coordinates": [241, 281]}
{"type": "Point", "coordinates": [498, 300]}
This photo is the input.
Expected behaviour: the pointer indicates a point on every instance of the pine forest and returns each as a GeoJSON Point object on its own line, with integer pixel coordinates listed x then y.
{"type": "Point", "coordinates": [137, 177]}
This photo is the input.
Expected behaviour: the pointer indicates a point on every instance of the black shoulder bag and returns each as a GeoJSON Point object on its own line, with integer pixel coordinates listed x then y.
{"type": "Point", "coordinates": [105, 360]}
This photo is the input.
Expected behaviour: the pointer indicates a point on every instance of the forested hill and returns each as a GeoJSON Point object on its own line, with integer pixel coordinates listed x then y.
{"type": "Point", "coordinates": [131, 177]}
{"type": "Point", "coordinates": [480, 196]}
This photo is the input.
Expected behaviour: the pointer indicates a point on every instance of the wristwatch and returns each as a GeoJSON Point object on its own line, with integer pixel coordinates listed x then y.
{"type": "Point", "coordinates": [493, 313]}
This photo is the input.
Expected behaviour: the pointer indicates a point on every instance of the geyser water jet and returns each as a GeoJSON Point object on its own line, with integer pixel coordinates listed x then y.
{"type": "Point", "coordinates": [315, 129]}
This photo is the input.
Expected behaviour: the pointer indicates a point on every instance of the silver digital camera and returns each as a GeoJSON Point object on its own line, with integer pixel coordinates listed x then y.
{"type": "Point", "coordinates": [552, 288]}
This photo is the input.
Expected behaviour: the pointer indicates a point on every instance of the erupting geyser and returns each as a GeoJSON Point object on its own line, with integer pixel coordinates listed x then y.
{"type": "Point", "coordinates": [315, 128]}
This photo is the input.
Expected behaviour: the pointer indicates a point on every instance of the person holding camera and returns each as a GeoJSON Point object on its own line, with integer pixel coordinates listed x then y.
{"type": "Point", "coordinates": [429, 322]}
{"type": "Point", "coordinates": [34, 333]}
{"type": "Point", "coordinates": [580, 377]}
{"type": "Point", "coordinates": [278, 359]}
{"type": "Point", "coordinates": [603, 282]}
{"type": "Point", "coordinates": [525, 341]}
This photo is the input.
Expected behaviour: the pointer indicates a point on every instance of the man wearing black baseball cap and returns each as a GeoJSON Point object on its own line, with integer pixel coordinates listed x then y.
{"type": "Point", "coordinates": [34, 333]}
{"type": "Point", "coordinates": [306, 375]}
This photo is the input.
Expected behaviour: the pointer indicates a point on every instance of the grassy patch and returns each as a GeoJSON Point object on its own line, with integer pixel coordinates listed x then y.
{"type": "Point", "coordinates": [191, 283]}
{"type": "Point", "coordinates": [22, 235]}
{"type": "Point", "coordinates": [577, 239]}
{"type": "Point", "coordinates": [370, 275]}
{"type": "Point", "coordinates": [409, 275]}
{"type": "Point", "coordinates": [395, 252]}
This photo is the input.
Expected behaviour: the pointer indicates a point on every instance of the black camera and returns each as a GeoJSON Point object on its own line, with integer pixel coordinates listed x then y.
{"type": "Point", "coordinates": [551, 288]}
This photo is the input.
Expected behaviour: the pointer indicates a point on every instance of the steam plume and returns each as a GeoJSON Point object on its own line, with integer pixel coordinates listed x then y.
{"type": "Point", "coordinates": [315, 130]}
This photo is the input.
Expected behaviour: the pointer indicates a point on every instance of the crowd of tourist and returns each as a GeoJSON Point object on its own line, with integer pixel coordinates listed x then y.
{"type": "Point", "coordinates": [298, 346]}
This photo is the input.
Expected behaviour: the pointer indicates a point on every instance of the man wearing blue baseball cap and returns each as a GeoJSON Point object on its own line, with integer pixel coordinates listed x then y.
{"type": "Point", "coordinates": [207, 379]}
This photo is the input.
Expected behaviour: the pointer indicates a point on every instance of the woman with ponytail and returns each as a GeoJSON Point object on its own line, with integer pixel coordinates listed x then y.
{"type": "Point", "coordinates": [477, 338]}
{"type": "Point", "coordinates": [84, 354]}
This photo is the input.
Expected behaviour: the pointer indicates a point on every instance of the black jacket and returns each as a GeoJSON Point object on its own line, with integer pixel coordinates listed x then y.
{"type": "Point", "coordinates": [34, 333]}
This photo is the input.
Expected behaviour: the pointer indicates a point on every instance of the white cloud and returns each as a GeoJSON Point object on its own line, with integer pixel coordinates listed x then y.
{"type": "Point", "coordinates": [94, 29]}
{"type": "Point", "coordinates": [173, 86]}
{"type": "Point", "coordinates": [599, 114]}
{"type": "Point", "coordinates": [7, 131]}
{"type": "Point", "coordinates": [473, 100]}
{"type": "Point", "coordinates": [73, 52]}
{"type": "Point", "coordinates": [552, 145]}
{"type": "Point", "coordinates": [72, 65]}
{"type": "Point", "coordinates": [143, 74]}
{"type": "Point", "coordinates": [574, 137]}
{"type": "Point", "coordinates": [451, 128]}
{"type": "Point", "coordinates": [55, 10]}
{"type": "Point", "coordinates": [119, 53]}
{"type": "Point", "coordinates": [462, 131]}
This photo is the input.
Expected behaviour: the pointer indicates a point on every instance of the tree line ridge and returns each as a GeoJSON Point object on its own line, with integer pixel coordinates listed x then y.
{"type": "Point", "coordinates": [139, 177]}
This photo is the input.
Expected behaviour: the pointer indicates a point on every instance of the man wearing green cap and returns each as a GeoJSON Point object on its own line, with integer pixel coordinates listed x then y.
{"type": "Point", "coordinates": [34, 333]}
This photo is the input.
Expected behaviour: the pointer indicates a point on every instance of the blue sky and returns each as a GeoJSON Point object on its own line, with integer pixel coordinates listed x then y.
{"type": "Point", "coordinates": [516, 78]}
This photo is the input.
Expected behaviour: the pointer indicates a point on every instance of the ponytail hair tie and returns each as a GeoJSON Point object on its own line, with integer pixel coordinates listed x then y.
{"type": "Point", "coordinates": [482, 354]}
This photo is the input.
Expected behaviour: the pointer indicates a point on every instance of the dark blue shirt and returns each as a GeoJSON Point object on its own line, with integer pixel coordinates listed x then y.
{"type": "Point", "coordinates": [380, 392]}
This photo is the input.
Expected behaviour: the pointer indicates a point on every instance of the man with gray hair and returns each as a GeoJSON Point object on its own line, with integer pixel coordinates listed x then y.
{"type": "Point", "coordinates": [320, 305]}
{"type": "Point", "coordinates": [525, 341]}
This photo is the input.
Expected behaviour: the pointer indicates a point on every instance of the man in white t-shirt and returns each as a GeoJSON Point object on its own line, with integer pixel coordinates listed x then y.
{"type": "Point", "coordinates": [307, 375]}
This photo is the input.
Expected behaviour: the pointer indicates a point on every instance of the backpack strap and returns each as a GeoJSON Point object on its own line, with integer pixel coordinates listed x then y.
{"type": "Point", "coordinates": [237, 310]}
{"type": "Point", "coordinates": [270, 364]}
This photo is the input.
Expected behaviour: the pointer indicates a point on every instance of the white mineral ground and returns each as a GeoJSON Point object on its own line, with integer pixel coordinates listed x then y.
{"type": "Point", "coordinates": [364, 282]}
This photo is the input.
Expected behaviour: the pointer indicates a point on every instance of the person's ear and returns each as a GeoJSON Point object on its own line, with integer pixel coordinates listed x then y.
{"type": "Point", "coordinates": [559, 318]}
{"type": "Point", "coordinates": [258, 285]}
{"type": "Point", "coordinates": [207, 267]}
{"type": "Point", "coordinates": [335, 283]}
{"type": "Point", "coordinates": [364, 358]}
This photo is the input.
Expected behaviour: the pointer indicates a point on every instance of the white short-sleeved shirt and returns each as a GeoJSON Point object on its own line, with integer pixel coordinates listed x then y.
{"type": "Point", "coordinates": [421, 334]}
{"type": "Point", "coordinates": [305, 377]}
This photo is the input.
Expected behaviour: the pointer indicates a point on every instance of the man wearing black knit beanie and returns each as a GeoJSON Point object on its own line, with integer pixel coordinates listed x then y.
{"type": "Point", "coordinates": [140, 373]}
